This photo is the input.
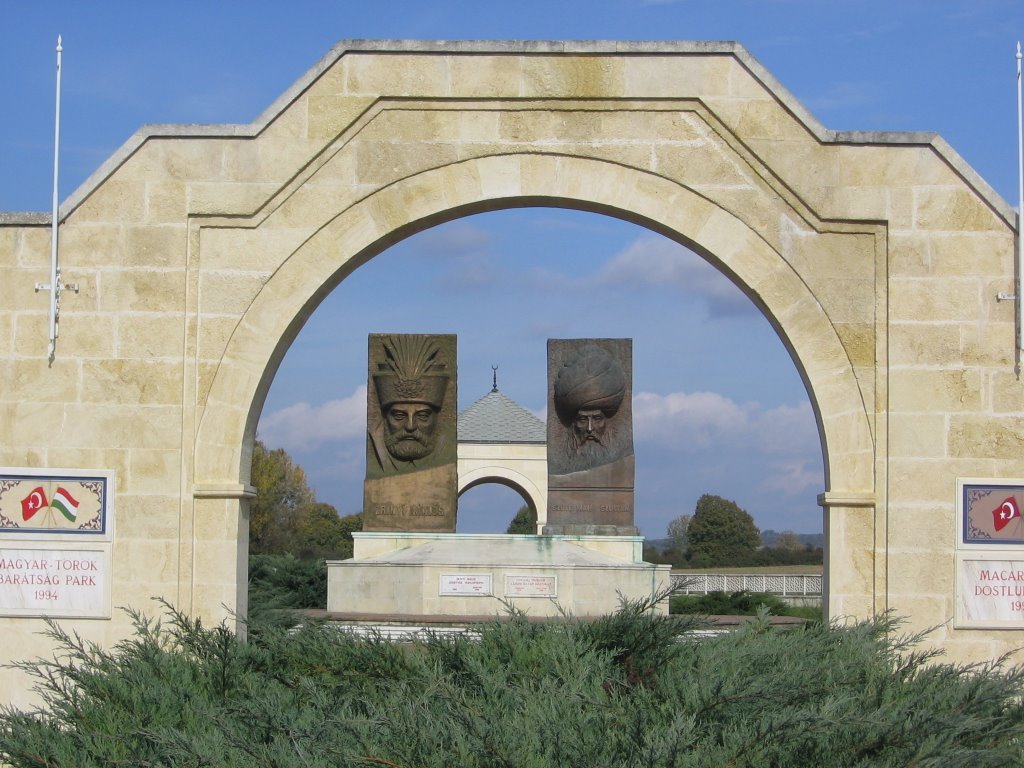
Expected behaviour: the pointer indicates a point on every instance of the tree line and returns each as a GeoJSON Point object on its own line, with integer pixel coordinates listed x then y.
{"type": "Point", "coordinates": [286, 518]}
{"type": "Point", "coordinates": [720, 533]}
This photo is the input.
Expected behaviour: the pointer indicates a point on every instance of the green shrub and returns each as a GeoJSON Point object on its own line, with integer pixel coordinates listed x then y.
{"type": "Point", "coordinates": [740, 603]}
{"type": "Point", "coordinates": [618, 691]}
{"type": "Point", "coordinates": [808, 612]}
{"type": "Point", "coordinates": [280, 583]}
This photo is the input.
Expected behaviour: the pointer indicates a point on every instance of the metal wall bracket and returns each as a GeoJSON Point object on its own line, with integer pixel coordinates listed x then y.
{"type": "Point", "coordinates": [55, 290]}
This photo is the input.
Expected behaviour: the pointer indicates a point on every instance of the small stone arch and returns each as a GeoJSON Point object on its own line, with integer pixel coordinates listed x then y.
{"type": "Point", "coordinates": [501, 468]}
{"type": "Point", "coordinates": [502, 442]}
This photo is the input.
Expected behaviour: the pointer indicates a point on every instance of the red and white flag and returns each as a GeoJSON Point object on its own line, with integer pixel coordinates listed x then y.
{"type": "Point", "coordinates": [1004, 513]}
{"type": "Point", "coordinates": [32, 503]}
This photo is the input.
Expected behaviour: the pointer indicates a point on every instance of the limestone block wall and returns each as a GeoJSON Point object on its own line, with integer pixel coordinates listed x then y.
{"type": "Point", "coordinates": [376, 544]}
{"type": "Point", "coordinates": [200, 251]}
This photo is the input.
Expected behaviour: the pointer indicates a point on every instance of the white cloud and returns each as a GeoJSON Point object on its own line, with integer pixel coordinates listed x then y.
{"type": "Point", "coordinates": [464, 252]}
{"type": "Point", "coordinates": [473, 271]}
{"type": "Point", "coordinates": [301, 427]}
{"type": "Point", "coordinates": [787, 428]}
{"type": "Point", "coordinates": [456, 238]}
{"type": "Point", "coordinates": [845, 95]}
{"type": "Point", "coordinates": [768, 460]}
{"type": "Point", "coordinates": [708, 420]}
{"type": "Point", "coordinates": [543, 279]}
{"type": "Point", "coordinates": [687, 419]}
{"type": "Point", "coordinates": [791, 478]}
{"type": "Point", "coordinates": [654, 261]}
{"type": "Point", "coordinates": [650, 262]}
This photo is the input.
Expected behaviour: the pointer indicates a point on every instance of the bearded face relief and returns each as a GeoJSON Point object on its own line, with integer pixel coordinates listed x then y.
{"type": "Point", "coordinates": [410, 429]}
{"type": "Point", "coordinates": [589, 425]}
{"type": "Point", "coordinates": [589, 438]}
{"type": "Point", "coordinates": [588, 389]}
{"type": "Point", "coordinates": [409, 408]}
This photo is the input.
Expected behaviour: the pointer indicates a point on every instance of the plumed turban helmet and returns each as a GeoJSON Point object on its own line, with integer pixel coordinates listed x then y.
{"type": "Point", "coordinates": [412, 372]}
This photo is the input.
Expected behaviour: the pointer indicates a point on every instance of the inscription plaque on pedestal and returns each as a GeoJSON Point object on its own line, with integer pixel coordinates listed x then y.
{"type": "Point", "coordinates": [465, 584]}
{"type": "Point", "coordinates": [531, 586]}
{"type": "Point", "coordinates": [411, 401]}
{"type": "Point", "coordinates": [55, 582]}
{"type": "Point", "coordinates": [590, 437]}
{"type": "Point", "coordinates": [991, 592]}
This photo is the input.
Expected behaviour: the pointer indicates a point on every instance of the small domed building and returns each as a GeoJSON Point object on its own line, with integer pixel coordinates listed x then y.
{"type": "Point", "coordinates": [502, 442]}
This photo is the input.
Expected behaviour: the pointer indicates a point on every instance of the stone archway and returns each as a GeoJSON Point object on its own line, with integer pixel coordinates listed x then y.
{"type": "Point", "coordinates": [361, 230]}
{"type": "Point", "coordinates": [201, 252]}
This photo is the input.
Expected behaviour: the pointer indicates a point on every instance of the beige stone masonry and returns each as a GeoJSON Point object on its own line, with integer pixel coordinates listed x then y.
{"type": "Point", "coordinates": [200, 249]}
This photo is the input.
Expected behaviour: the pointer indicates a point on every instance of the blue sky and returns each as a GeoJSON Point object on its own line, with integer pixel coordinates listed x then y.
{"type": "Point", "coordinates": [719, 407]}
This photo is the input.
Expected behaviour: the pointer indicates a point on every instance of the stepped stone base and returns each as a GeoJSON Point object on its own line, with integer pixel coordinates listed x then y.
{"type": "Point", "coordinates": [417, 574]}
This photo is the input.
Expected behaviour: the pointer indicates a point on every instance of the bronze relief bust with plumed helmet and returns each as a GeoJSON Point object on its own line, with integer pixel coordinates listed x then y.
{"type": "Point", "coordinates": [410, 383]}
{"type": "Point", "coordinates": [411, 479]}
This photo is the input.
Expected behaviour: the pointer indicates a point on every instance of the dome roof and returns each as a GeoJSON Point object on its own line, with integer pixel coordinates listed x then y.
{"type": "Point", "coordinates": [495, 418]}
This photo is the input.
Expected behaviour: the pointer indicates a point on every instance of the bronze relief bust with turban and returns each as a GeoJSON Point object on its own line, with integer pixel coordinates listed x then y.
{"type": "Point", "coordinates": [590, 437]}
{"type": "Point", "coordinates": [589, 389]}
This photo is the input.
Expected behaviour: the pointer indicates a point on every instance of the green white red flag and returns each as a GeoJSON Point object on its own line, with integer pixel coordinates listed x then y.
{"type": "Point", "coordinates": [67, 505]}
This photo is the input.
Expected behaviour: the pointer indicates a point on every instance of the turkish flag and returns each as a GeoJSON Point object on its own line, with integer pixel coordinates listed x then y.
{"type": "Point", "coordinates": [37, 500]}
{"type": "Point", "coordinates": [1004, 513]}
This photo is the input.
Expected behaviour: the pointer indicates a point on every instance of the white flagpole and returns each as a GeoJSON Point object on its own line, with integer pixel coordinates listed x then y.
{"type": "Point", "coordinates": [1020, 214]}
{"type": "Point", "coordinates": [54, 272]}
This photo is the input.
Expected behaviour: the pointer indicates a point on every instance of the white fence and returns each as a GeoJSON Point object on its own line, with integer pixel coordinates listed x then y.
{"type": "Point", "coordinates": [785, 584]}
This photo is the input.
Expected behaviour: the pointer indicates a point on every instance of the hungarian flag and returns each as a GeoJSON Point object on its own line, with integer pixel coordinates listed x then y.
{"type": "Point", "coordinates": [32, 503]}
{"type": "Point", "coordinates": [1004, 513]}
{"type": "Point", "coordinates": [66, 504]}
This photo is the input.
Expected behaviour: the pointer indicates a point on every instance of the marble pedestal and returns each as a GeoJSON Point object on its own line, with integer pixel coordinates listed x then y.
{"type": "Point", "coordinates": [418, 575]}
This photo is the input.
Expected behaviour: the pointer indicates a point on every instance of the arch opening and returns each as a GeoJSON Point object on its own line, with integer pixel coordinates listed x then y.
{"type": "Point", "coordinates": [489, 505]}
{"type": "Point", "coordinates": [662, 294]}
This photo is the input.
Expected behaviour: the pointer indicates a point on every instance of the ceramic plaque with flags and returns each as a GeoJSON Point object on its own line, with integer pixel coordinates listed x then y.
{"type": "Point", "coordinates": [989, 572]}
{"type": "Point", "coordinates": [56, 540]}
{"type": "Point", "coordinates": [991, 513]}
{"type": "Point", "coordinates": [65, 502]}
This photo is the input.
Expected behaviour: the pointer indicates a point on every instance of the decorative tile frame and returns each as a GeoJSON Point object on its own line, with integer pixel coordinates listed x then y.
{"type": "Point", "coordinates": [981, 503]}
{"type": "Point", "coordinates": [91, 492]}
